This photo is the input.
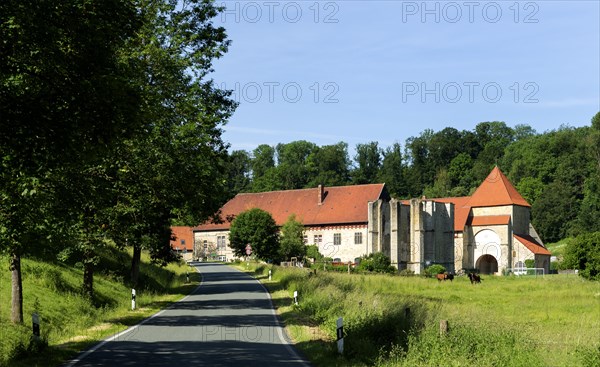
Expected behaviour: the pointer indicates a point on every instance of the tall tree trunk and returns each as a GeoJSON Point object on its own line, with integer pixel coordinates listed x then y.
{"type": "Point", "coordinates": [17, 288]}
{"type": "Point", "coordinates": [135, 265]}
{"type": "Point", "coordinates": [88, 274]}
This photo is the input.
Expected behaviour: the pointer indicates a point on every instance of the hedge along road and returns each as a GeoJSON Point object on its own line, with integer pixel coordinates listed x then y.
{"type": "Point", "coordinates": [227, 321]}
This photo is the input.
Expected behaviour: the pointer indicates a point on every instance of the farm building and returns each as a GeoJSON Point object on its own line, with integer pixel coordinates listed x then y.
{"type": "Point", "coordinates": [182, 241]}
{"type": "Point", "coordinates": [489, 231]}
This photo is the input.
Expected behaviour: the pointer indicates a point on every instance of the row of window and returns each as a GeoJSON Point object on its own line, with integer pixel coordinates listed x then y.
{"type": "Point", "coordinates": [220, 243]}
{"type": "Point", "coordinates": [317, 240]}
{"type": "Point", "coordinates": [337, 238]}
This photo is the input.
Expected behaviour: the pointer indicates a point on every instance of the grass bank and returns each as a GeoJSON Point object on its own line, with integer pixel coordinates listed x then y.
{"type": "Point", "coordinates": [71, 323]}
{"type": "Point", "coordinates": [394, 321]}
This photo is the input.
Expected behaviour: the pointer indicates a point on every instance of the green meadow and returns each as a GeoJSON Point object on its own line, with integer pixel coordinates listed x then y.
{"type": "Point", "coordinates": [69, 322]}
{"type": "Point", "coordinates": [395, 321]}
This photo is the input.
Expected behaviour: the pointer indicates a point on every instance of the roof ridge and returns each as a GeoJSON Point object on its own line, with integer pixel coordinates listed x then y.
{"type": "Point", "coordinates": [496, 190]}
{"type": "Point", "coordinates": [310, 188]}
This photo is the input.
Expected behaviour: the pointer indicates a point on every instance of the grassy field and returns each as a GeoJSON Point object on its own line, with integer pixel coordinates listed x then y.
{"type": "Point", "coordinates": [70, 323]}
{"type": "Point", "coordinates": [504, 321]}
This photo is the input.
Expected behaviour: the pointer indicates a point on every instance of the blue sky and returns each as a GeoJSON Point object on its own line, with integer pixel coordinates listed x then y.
{"type": "Point", "coordinates": [361, 71]}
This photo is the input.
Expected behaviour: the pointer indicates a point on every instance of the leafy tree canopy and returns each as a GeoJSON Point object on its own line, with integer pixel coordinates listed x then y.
{"type": "Point", "coordinates": [257, 228]}
{"type": "Point", "coordinates": [583, 253]}
{"type": "Point", "coordinates": [292, 239]}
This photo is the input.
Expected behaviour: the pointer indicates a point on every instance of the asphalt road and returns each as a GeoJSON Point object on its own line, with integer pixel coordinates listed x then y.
{"type": "Point", "coordinates": [227, 321]}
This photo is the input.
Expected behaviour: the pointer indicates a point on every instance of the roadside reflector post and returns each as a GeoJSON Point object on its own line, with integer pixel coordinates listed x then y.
{"type": "Point", "coordinates": [187, 277]}
{"type": "Point", "coordinates": [340, 335]}
{"type": "Point", "coordinates": [132, 299]}
{"type": "Point", "coordinates": [296, 298]}
{"type": "Point", "coordinates": [443, 327]}
{"type": "Point", "coordinates": [269, 275]}
{"type": "Point", "coordinates": [35, 321]}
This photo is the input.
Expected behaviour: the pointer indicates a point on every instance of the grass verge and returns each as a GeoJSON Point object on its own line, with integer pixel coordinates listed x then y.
{"type": "Point", "coordinates": [69, 322]}
{"type": "Point", "coordinates": [394, 321]}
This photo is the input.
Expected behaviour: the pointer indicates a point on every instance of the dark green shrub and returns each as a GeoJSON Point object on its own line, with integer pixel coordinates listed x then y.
{"type": "Point", "coordinates": [583, 253]}
{"type": "Point", "coordinates": [406, 273]}
{"type": "Point", "coordinates": [376, 262]}
{"type": "Point", "coordinates": [434, 270]}
{"type": "Point", "coordinates": [312, 251]}
{"type": "Point", "coordinates": [530, 263]}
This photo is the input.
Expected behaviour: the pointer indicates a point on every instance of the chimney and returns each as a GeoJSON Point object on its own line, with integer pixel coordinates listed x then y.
{"type": "Point", "coordinates": [321, 194]}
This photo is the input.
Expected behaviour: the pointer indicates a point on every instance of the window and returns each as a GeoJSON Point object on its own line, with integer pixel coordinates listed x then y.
{"type": "Point", "coordinates": [220, 242]}
{"type": "Point", "coordinates": [358, 238]}
{"type": "Point", "coordinates": [318, 238]}
{"type": "Point", "coordinates": [337, 238]}
{"type": "Point", "coordinates": [305, 239]}
{"type": "Point", "coordinates": [205, 245]}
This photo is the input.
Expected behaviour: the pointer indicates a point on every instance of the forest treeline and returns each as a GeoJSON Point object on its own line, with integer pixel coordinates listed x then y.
{"type": "Point", "coordinates": [557, 171]}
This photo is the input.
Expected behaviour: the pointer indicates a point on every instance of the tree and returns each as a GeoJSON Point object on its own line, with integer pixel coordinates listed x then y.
{"type": "Point", "coordinates": [292, 168]}
{"type": "Point", "coordinates": [583, 253]}
{"type": "Point", "coordinates": [65, 99]}
{"type": "Point", "coordinates": [329, 165]}
{"type": "Point", "coordinates": [393, 170]}
{"type": "Point", "coordinates": [368, 160]}
{"type": "Point", "coordinates": [175, 170]}
{"type": "Point", "coordinates": [312, 252]}
{"type": "Point", "coordinates": [264, 175]}
{"type": "Point", "coordinates": [257, 228]}
{"type": "Point", "coordinates": [238, 172]}
{"type": "Point", "coordinates": [292, 239]}
{"type": "Point", "coordinates": [530, 188]}
{"type": "Point", "coordinates": [460, 174]}
{"type": "Point", "coordinates": [494, 137]}
{"type": "Point", "coordinates": [523, 131]}
{"type": "Point", "coordinates": [441, 187]}
{"type": "Point", "coordinates": [553, 211]}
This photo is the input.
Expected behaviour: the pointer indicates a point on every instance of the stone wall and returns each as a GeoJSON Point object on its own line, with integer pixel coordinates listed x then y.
{"type": "Point", "coordinates": [521, 219]}
{"type": "Point", "coordinates": [211, 241]}
{"type": "Point", "coordinates": [431, 235]}
{"type": "Point", "coordinates": [347, 250]}
{"type": "Point", "coordinates": [492, 210]}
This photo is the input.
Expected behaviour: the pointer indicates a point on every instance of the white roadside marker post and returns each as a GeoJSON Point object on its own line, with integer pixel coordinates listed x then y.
{"type": "Point", "coordinates": [340, 335]}
{"type": "Point", "coordinates": [132, 299]}
{"type": "Point", "coordinates": [269, 275]}
{"type": "Point", "coordinates": [296, 298]}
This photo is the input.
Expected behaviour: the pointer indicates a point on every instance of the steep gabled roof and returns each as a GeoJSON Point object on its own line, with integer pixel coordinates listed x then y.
{"type": "Point", "coordinates": [531, 244]}
{"type": "Point", "coordinates": [340, 205]}
{"type": "Point", "coordinates": [496, 190]}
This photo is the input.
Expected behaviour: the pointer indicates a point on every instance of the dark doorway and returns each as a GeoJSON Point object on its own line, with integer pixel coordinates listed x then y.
{"type": "Point", "coordinates": [487, 264]}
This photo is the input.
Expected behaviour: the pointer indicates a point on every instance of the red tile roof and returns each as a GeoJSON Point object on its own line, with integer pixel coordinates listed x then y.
{"type": "Point", "coordinates": [340, 205]}
{"type": "Point", "coordinates": [182, 233]}
{"type": "Point", "coordinates": [496, 190]}
{"type": "Point", "coordinates": [532, 245]}
{"type": "Point", "coordinates": [489, 220]}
